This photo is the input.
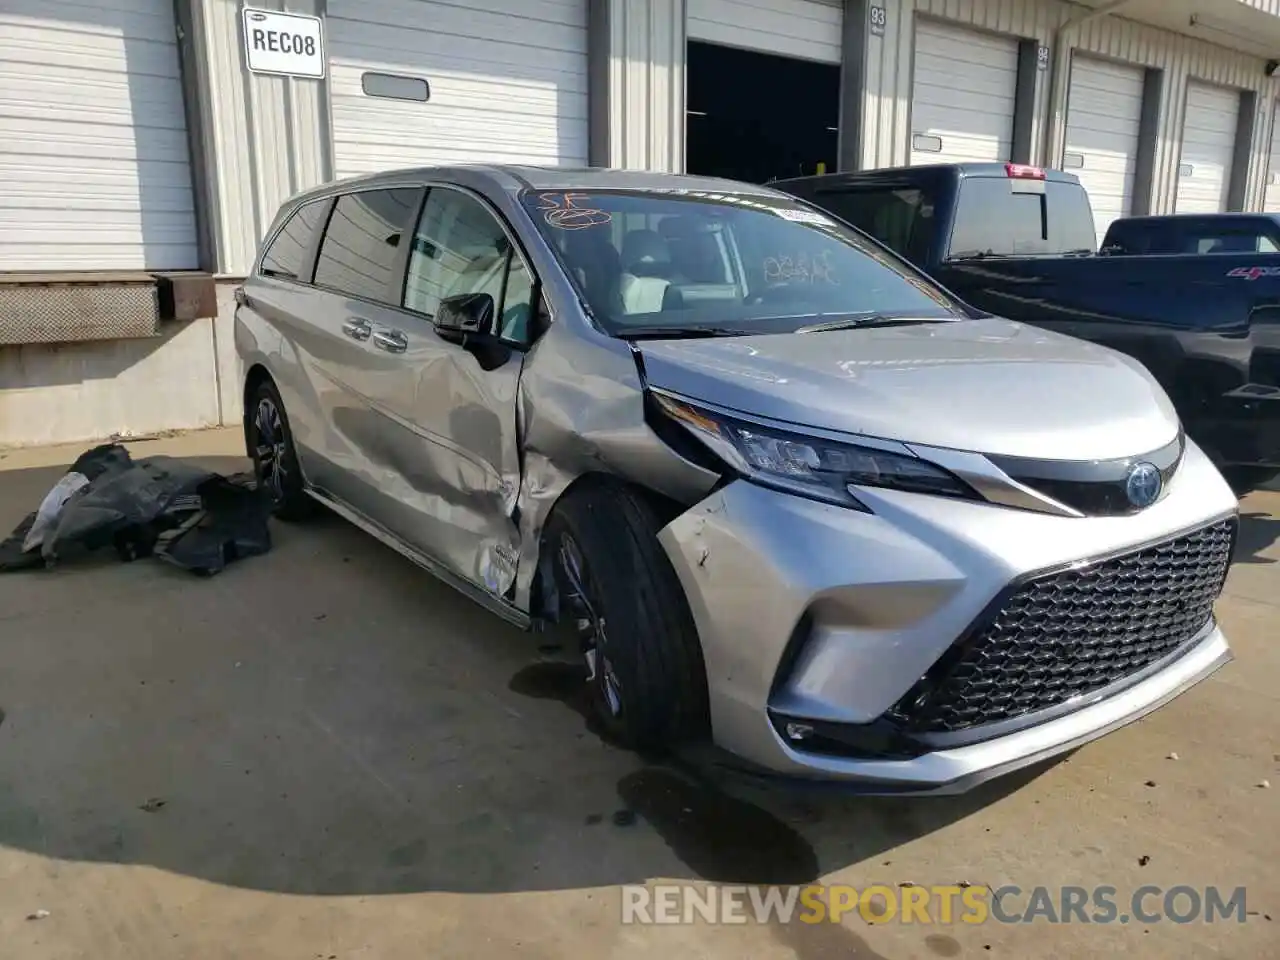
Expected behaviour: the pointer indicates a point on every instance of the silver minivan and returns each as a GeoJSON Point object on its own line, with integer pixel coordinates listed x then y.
{"type": "Point", "coordinates": [792, 499]}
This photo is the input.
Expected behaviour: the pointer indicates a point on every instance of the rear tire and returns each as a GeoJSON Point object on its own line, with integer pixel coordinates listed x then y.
{"type": "Point", "coordinates": [275, 459]}
{"type": "Point", "coordinates": [647, 679]}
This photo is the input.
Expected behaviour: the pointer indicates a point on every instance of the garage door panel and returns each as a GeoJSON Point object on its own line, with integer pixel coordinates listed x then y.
{"type": "Point", "coordinates": [94, 156]}
{"type": "Point", "coordinates": [1104, 117]}
{"type": "Point", "coordinates": [92, 241]}
{"type": "Point", "coordinates": [963, 90]}
{"type": "Point", "coordinates": [504, 86]}
{"type": "Point", "coordinates": [807, 29]}
{"type": "Point", "coordinates": [47, 100]}
{"type": "Point", "coordinates": [1208, 147]}
{"type": "Point", "coordinates": [507, 136]}
{"type": "Point", "coordinates": [989, 109]}
{"type": "Point", "coordinates": [534, 47]}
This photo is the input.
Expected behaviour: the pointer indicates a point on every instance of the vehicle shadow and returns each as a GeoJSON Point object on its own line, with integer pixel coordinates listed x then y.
{"type": "Point", "coordinates": [328, 720]}
{"type": "Point", "coordinates": [1259, 532]}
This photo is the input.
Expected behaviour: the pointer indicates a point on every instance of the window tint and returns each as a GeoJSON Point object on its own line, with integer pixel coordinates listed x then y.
{"type": "Point", "coordinates": [287, 254]}
{"type": "Point", "coordinates": [459, 247]}
{"type": "Point", "coordinates": [901, 219]}
{"type": "Point", "coordinates": [992, 218]}
{"type": "Point", "coordinates": [1226, 241]}
{"type": "Point", "coordinates": [358, 254]}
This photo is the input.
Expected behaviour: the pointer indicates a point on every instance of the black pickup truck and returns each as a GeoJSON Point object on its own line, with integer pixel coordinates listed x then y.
{"type": "Point", "coordinates": [1193, 233]}
{"type": "Point", "coordinates": [1019, 242]}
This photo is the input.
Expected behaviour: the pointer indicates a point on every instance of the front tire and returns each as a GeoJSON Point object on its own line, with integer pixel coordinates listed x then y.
{"type": "Point", "coordinates": [645, 670]}
{"type": "Point", "coordinates": [275, 459]}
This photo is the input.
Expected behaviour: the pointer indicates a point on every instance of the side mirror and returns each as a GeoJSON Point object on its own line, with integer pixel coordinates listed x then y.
{"type": "Point", "coordinates": [466, 316]}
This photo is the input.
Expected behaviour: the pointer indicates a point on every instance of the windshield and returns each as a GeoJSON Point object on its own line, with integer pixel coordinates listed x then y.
{"type": "Point", "coordinates": [740, 264]}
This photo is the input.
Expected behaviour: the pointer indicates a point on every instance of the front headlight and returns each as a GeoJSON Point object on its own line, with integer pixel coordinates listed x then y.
{"type": "Point", "coordinates": [810, 466]}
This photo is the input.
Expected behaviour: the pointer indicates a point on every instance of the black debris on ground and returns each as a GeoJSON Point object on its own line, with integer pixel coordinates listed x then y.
{"type": "Point", "coordinates": [159, 507]}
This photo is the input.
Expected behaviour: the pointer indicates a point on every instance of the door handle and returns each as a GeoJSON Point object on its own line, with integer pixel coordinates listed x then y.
{"type": "Point", "coordinates": [392, 341]}
{"type": "Point", "coordinates": [357, 329]}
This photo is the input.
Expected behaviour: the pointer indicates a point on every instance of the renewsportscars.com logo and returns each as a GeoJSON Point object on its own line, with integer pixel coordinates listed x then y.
{"type": "Point", "coordinates": [942, 904]}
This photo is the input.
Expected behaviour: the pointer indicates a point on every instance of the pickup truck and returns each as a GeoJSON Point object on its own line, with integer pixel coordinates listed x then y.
{"type": "Point", "coordinates": [1018, 242]}
{"type": "Point", "coordinates": [1194, 233]}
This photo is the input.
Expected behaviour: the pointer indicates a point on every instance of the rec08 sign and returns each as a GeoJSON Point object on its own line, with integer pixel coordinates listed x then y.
{"type": "Point", "coordinates": [283, 44]}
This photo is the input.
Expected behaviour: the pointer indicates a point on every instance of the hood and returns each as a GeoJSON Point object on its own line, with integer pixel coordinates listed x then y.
{"type": "Point", "coordinates": [988, 386]}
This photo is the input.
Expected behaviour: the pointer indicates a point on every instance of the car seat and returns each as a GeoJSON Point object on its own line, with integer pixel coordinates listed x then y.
{"type": "Point", "coordinates": [646, 271]}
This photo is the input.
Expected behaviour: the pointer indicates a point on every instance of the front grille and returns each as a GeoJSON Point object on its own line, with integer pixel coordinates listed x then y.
{"type": "Point", "coordinates": [1066, 634]}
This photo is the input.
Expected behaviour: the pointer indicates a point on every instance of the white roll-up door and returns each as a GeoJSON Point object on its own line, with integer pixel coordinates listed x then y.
{"type": "Point", "coordinates": [507, 82]}
{"type": "Point", "coordinates": [1271, 201]}
{"type": "Point", "coordinates": [962, 94]}
{"type": "Point", "coordinates": [1208, 146]}
{"type": "Point", "coordinates": [805, 29]}
{"type": "Point", "coordinates": [1104, 111]}
{"type": "Point", "coordinates": [95, 169]}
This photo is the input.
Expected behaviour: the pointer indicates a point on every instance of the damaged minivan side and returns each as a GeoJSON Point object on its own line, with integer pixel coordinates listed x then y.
{"type": "Point", "coordinates": [792, 497]}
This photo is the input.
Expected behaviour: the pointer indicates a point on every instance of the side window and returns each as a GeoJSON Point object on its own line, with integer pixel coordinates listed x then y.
{"type": "Point", "coordinates": [358, 253]}
{"type": "Point", "coordinates": [458, 247]}
{"type": "Point", "coordinates": [1226, 241]}
{"type": "Point", "coordinates": [517, 302]}
{"type": "Point", "coordinates": [286, 256]}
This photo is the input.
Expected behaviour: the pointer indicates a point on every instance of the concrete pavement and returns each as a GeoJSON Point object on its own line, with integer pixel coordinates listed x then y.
{"type": "Point", "coordinates": [323, 753]}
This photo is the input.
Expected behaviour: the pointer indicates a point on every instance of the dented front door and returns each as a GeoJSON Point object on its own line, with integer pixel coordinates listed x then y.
{"type": "Point", "coordinates": [446, 426]}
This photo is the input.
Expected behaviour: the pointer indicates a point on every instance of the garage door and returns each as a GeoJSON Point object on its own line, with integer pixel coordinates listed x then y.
{"type": "Point", "coordinates": [95, 170]}
{"type": "Point", "coordinates": [806, 29]}
{"type": "Point", "coordinates": [962, 94]}
{"type": "Point", "coordinates": [1104, 109]}
{"type": "Point", "coordinates": [1208, 145]}
{"type": "Point", "coordinates": [1271, 202]}
{"type": "Point", "coordinates": [501, 86]}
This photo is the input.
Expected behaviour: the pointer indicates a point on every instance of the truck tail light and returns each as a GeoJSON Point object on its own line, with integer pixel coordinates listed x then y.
{"type": "Point", "coordinates": [1022, 171]}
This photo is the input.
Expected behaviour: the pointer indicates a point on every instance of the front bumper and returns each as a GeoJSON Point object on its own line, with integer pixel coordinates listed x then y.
{"type": "Point", "coordinates": [880, 598]}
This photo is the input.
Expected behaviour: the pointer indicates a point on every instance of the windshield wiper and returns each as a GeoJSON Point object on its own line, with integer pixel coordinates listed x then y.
{"type": "Point", "coordinates": [871, 320]}
{"type": "Point", "coordinates": [678, 333]}
{"type": "Point", "coordinates": [973, 255]}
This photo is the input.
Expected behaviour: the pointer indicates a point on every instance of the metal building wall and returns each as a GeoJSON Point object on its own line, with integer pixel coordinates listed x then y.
{"type": "Point", "coordinates": [638, 97]}
{"type": "Point", "coordinates": [886, 132]}
{"type": "Point", "coordinates": [262, 138]}
{"type": "Point", "coordinates": [1181, 58]}
{"type": "Point", "coordinates": [886, 135]}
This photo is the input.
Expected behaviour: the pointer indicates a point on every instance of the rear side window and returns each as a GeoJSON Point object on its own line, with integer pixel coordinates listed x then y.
{"type": "Point", "coordinates": [1133, 238]}
{"type": "Point", "coordinates": [286, 256]}
{"type": "Point", "coordinates": [1227, 241]}
{"type": "Point", "coordinates": [993, 219]}
{"type": "Point", "coordinates": [359, 253]}
{"type": "Point", "coordinates": [901, 219]}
